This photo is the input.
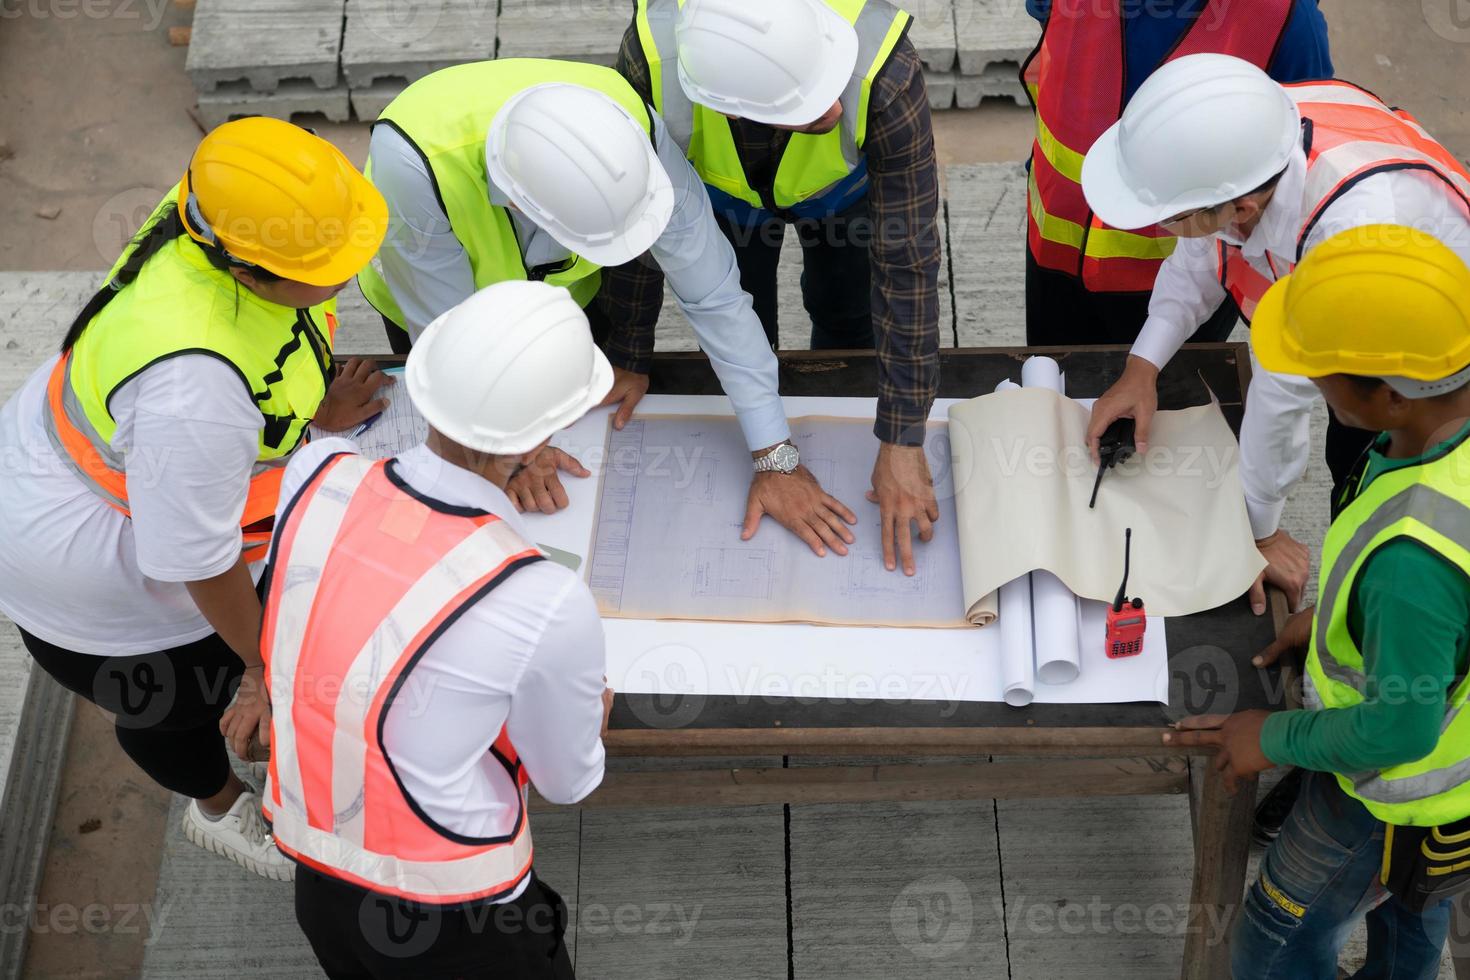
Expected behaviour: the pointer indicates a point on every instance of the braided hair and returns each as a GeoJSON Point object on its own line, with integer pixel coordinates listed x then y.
{"type": "Point", "coordinates": [151, 240]}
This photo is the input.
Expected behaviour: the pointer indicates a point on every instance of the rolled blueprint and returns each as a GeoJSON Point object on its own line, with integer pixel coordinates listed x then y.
{"type": "Point", "coordinates": [1017, 643]}
{"type": "Point", "coordinates": [1058, 643]}
{"type": "Point", "coordinates": [1053, 605]}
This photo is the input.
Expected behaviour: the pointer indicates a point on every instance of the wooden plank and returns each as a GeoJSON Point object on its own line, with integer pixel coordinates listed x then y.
{"type": "Point", "coordinates": [679, 893]}
{"type": "Point", "coordinates": [1106, 742]}
{"type": "Point", "coordinates": [889, 783]}
{"type": "Point", "coordinates": [1221, 852]}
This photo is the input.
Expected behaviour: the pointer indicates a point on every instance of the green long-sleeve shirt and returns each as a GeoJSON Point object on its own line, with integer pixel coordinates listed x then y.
{"type": "Point", "coordinates": [1409, 614]}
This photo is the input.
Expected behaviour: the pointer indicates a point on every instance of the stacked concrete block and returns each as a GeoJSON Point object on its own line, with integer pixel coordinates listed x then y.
{"type": "Point", "coordinates": [573, 30]}
{"type": "Point", "coordinates": [992, 38]}
{"type": "Point", "coordinates": [389, 43]}
{"type": "Point", "coordinates": [933, 34]}
{"type": "Point", "coordinates": [267, 57]}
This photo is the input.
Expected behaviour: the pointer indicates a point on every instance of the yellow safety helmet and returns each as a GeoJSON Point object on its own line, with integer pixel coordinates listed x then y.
{"type": "Point", "coordinates": [1379, 301]}
{"type": "Point", "coordinates": [274, 195]}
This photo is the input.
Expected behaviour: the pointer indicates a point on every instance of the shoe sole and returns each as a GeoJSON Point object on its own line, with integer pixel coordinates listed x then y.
{"type": "Point", "coordinates": [196, 835]}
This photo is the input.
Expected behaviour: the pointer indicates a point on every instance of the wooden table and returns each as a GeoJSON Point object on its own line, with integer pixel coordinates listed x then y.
{"type": "Point", "coordinates": [1050, 749]}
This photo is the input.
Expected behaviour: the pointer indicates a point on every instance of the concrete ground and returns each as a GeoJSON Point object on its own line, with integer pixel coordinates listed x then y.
{"type": "Point", "coordinates": [95, 124]}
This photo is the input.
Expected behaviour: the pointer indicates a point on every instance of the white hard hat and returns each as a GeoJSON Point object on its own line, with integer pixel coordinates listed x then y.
{"type": "Point", "coordinates": [779, 62]}
{"type": "Point", "coordinates": [507, 368]}
{"type": "Point", "coordinates": [1202, 130]}
{"type": "Point", "coordinates": [579, 166]}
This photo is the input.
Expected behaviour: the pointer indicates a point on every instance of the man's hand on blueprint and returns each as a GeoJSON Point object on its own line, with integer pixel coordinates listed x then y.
{"type": "Point", "coordinates": [798, 503]}
{"type": "Point", "coordinates": [536, 486]}
{"type": "Point", "coordinates": [627, 391]}
{"type": "Point", "coordinates": [904, 493]}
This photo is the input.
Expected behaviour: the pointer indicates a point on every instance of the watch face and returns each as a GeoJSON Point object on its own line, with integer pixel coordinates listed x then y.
{"type": "Point", "coordinates": [785, 458]}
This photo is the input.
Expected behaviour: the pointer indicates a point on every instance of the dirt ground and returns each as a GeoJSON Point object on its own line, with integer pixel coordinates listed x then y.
{"type": "Point", "coordinates": [95, 125]}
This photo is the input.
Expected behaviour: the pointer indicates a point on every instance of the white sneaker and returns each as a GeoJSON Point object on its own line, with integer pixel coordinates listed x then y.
{"type": "Point", "coordinates": [241, 836]}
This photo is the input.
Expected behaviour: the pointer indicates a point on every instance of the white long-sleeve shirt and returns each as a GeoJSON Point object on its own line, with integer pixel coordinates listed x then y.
{"type": "Point", "coordinates": [429, 271]}
{"type": "Point", "coordinates": [528, 656]}
{"type": "Point", "coordinates": [1274, 441]}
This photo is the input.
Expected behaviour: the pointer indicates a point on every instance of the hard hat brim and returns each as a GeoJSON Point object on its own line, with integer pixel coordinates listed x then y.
{"type": "Point", "coordinates": [1268, 335]}
{"type": "Point", "coordinates": [838, 59]}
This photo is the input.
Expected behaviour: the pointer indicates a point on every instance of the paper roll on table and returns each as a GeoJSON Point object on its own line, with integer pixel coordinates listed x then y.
{"type": "Point", "coordinates": [1017, 642]}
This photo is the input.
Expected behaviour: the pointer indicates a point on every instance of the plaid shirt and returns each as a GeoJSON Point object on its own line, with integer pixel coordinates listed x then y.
{"type": "Point", "coordinates": [903, 196]}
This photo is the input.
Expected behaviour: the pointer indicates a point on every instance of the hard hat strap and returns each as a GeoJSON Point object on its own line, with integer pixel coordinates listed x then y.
{"type": "Point", "coordinates": [200, 229]}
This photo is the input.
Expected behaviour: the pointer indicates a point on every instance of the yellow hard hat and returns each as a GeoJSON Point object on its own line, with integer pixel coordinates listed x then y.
{"type": "Point", "coordinates": [1380, 301]}
{"type": "Point", "coordinates": [274, 195]}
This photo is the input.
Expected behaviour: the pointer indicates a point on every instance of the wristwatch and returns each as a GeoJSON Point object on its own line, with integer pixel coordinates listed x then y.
{"type": "Point", "coordinates": [783, 459]}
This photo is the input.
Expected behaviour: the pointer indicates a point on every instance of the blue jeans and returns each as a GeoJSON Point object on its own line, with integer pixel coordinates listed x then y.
{"type": "Point", "coordinates": [1317, 878]}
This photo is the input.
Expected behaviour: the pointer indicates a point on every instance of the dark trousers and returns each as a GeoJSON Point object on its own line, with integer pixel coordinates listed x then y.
{"type": "Point", "coordinates": [1061, 312]}
{"type": "Point", "coordinates": [168, 705]}
{"type": "Point", "coordinates": [362, 935]}
{"type": "Point", "coordinates": [836, 274]}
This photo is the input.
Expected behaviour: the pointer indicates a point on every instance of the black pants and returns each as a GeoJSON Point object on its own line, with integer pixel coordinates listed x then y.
{"type": "Point", "coordinates": [1061, 312]}
{"type": "Point", "coordinates": [836, 274]}
{"type": "Point", "coordinates": [362, 935]}
{"type": "Point", "coordinates": [168, 705]}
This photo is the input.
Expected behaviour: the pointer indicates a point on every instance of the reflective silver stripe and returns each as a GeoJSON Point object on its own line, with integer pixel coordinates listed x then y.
{"type": "Point", "coordinates": [490, 546]}
{"type": "Point", "coordinates": [1444, 515]}
{"type": "Point", "coordinates": [444, 879]}
{"type": "Point", "coordinates": [673, 105]}
{"type": "Point", "coordinates": [1333, 166]}
{"type": "Point", "coordinates": [1334, 93]}
{"type": "Point", "coordinates": [1423, 503]}
{"type": "Point", "coordinates": [300, 574]}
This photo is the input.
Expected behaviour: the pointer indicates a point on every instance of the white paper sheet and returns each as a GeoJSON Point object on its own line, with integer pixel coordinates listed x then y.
{"type": "Point", "coordinates": [859, 664]}
{"type": "Point", "coordinates": [399, 427]}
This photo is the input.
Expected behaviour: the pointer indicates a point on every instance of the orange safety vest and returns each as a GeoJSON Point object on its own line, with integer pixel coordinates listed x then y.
{"type": "Point", "coordinates": [1075, 78]}
{"type": "Point", "coordinates": [366, 576]}
{"type": "Point", "coordinates": [1348, 134]}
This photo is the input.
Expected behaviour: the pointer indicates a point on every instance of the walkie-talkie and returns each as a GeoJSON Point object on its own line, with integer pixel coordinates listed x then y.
{"type": "Point", "coordinates": [1115, 445]}
{"type": "Point", "coordinates": [1126, 617]}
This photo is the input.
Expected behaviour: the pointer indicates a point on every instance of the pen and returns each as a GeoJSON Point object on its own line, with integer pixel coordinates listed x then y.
{"type": "Point", "coordinates": [366, 425]}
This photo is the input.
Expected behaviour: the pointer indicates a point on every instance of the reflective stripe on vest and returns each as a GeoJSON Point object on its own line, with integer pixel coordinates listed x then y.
{"type": "Point", "coordinates": [1350, 135]}
{"type": "Point", "coordinates": [811, 164]}
{"type": "Point", "coordinates": [1429, 503]}
{"type": "Point", "coordinates": [445, 117]}
{"type": "Point", "coordinates": [366, 577]}
{"type": "Point", "coordinates": [178, 305]}
{"type": "Point", "coordinates": [1075, 78]}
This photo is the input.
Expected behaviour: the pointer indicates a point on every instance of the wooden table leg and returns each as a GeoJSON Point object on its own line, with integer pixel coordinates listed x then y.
{"type": "Point", "coordinates": [1221, 848]}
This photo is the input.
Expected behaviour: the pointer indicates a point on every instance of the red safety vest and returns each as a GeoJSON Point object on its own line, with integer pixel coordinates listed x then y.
{"type": "Point", "coordinates": [1349, 134]}
{"type": "Point", "coordinates": [366, 576]}
{"type": "Point", "coordinates": [1075, 78]}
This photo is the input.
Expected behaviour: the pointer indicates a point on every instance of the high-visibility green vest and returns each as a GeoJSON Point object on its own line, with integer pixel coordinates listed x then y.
{"type": "Point", "coordinates": [445, 117]}
{"type": "Point", "coordinates": [811, 164]}
{"type": "Point", "coordinates": [1427, 502]}
{"type": "Point", "coordinates": [180, 304]}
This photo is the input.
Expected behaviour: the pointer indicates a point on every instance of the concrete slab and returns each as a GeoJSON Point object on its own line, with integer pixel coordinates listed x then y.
{"type": "Point", "coordinates": [683, 893]}
{"type": "Point", "coordinates": [368, 103]}
{"type": "Point", "coordinates": [999, 80]}
{"type": "Point", "coordinates": [1101, 882]}
{"type": "Point", "coordinates": [265, 42]}
{"type": "Point", "coordinates": [896, 890]}
{"type": "Point", "coordinates": [988, 31]}
{"type": "Point", "coordinates": [390, 39]}
{"type": "Point", "coordinates": [987, 241]}
{"type": "Point", "coordinates": [933, 32]}
{"type": "Point", "coordinates": [290, 98]}
{"type": "Point", "coordinates": [941, 88]}
{"type": "Point", "coordinates": [586, 30]}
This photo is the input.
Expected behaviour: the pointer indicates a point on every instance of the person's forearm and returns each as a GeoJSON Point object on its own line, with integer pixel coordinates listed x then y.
{"type": "Point", "coordinates": [230, 604]}
{"type": "Point", "coordinates": [1361, 738]}
{"type": "Point", "coordinates": [1275, 441]}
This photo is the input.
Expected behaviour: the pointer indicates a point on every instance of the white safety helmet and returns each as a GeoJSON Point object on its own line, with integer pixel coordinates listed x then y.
{"type": "Point", "coordinates": [1202, 130]}
{"type": "Point", "coordinates": [779, 62]}
{"type": "Point", "coordinates": [573, 161]}
{"type": "Point", "coordinates": [507, 368]}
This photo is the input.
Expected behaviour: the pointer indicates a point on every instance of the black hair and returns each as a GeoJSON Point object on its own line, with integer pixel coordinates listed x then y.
{"type": "Point", "coordinates": [147, 243]}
